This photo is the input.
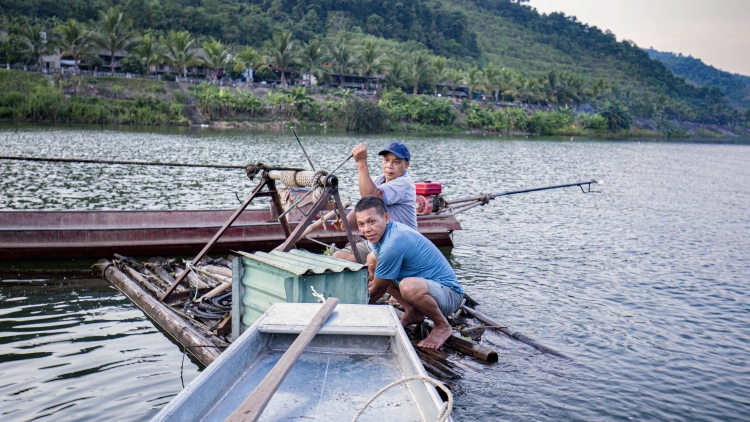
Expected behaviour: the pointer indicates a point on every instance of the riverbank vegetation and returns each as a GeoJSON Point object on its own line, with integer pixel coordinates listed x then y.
{"type": "Point", "coordinates": [428, 60]}
{"type": "Point", "coordinates": [33, 98]}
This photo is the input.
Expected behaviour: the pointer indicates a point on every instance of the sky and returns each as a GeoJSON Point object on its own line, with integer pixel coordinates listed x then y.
{"type": "Point", "coordinates": [715, 31]}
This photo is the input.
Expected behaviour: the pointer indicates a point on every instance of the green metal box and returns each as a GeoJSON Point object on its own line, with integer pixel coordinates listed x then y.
{"type": "Point", "coordinates": [261, 279]}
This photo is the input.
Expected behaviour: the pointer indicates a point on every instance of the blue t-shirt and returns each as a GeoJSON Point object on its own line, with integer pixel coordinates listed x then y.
{"type": "Point", "coordinates": [403, 252]}
{"type": "Point", "coordinates": [400, 197]}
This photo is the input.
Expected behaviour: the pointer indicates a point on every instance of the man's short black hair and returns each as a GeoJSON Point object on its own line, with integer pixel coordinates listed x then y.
{"type": "Point", "coordinates": [370, 202]}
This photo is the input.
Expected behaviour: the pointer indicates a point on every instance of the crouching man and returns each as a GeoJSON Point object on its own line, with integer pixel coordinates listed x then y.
{"type": "Point", "coordinates": [411, 269]}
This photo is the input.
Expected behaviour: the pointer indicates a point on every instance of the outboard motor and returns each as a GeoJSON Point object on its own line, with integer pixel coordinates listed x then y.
{"type": "Point", "coordinates": [428, 197]}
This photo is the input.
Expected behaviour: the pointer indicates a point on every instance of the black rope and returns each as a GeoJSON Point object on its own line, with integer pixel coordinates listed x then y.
{"type": "Point", "coordinates": [134, 163]}
{"type": "Point", "coordinates": [184, 352]}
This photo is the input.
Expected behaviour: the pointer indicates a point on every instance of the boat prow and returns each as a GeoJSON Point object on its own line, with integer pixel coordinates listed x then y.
{"type": "Point", "coordinates": [358, 351]}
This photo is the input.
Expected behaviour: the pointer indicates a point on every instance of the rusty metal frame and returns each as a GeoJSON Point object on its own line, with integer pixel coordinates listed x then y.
{"type": "Point", "coordinates": [257, 192]}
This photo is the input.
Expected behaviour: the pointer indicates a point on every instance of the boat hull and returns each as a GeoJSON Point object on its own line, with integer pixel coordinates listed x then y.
{"type": "Point", "coordinates": [30, 235]}
{"type": "Point", "coordinates": [359, 350]}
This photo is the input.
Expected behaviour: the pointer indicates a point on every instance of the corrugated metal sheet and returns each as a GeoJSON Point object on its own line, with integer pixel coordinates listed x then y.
{"type": "Point", "coordinates": [300, 262]}
{"type": "Point", "coordinates": [262, 279]}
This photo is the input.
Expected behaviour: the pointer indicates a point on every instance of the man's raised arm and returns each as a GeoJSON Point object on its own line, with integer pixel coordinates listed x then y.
{"type": "Point", "coordinates": [366, 184]}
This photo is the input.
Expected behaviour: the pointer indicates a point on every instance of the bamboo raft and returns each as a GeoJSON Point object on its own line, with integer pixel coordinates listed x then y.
{"type": "Point", "coordinates": [198, 313]}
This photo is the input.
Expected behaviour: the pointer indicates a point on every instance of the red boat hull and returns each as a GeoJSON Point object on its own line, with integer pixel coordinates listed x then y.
{"type": "Point", "coordinates": [26, 235]}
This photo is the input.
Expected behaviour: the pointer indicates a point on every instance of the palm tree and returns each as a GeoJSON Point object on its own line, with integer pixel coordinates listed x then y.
{"type": "Point", "coordinates": [473, 79]}
{"type": "Point", "coordinates": [491, 80]}
{"type": "Point", "coordinates": [529, 89]}
{"type": "Point", "coordinates": [282, 52]}
{"type": "Point", "coordinates": [439, 72]}
{"type": "Point", "coordinates": [369, 60]}
{"type": "Point", "coordinates": [114, 33]}
{"type": "Point", "coordinates": [214, 55]}
{"type": "Point", "coordinates": [179, 51]}
{"type": "Point", "coordinates": [36, 44]}
{"type": "Point", "coordinates": [454, 78]}
{"type": "Point", "coordinates": [149, 51]}
{"type": "Point", "coordinates": [74, 41]}
{"type": "Point", "coordinates": [246, 60]}
{"type": "Point", "coordinates": [396, 76]}
{"type": "Point", "coordinates": [343, 60]}
{"type": "Point", "coordinates": [417, 70]}
{"type": "Point", "coordinates": [312, 59]}
{"type": "Point", "coordinates": [507, 83]}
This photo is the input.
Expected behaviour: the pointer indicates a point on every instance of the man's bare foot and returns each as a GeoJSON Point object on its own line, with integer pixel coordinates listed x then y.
{"type": "Point", "coordinates": [411, 317]}
{"type": "Point", "coordinates": [437, 337]}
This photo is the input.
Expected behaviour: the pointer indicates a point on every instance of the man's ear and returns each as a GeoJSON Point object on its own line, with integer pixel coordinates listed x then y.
{"type": "Point", "coordinates": [406, 166]}
{"type": "Point", "coordinates": [387, 218]}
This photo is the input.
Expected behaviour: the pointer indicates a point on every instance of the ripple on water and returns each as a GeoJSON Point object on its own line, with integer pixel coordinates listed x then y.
{"type": "Point", "coordinates": [644, 285]}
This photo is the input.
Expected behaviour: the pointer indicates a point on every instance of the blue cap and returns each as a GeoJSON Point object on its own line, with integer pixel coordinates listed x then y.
{"type": "Point", "coordinates": [398, 149]}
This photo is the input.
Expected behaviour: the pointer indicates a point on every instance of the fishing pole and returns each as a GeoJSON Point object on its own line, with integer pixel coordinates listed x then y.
{"type": "Point", "coordinates": [303, 148]}
{"type": "Point", "coordinates": [133, 163]}
{"type": "Point", "coordinates": [479, 200]}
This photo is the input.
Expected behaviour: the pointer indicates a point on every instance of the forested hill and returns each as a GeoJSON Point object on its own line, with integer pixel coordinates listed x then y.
{"type": "Point", "coordinates": [736, 87]}
{"type": "Point", "coordinates": [470, 33]}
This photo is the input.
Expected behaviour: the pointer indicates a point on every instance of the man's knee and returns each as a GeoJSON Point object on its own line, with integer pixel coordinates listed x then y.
{"type": "Point", "coordinates": [412, 287]}
{"type": "Point", "coordinates": [348, 256]}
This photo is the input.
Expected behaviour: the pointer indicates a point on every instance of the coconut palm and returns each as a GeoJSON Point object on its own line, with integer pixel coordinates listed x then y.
{"type": "Point", "coordinates": [396, 76]}
{"type": "Point", "coordinates": [214, 55]}
{"type": "Point", "coordinates": [35, 43]}
{"type": "Point", "coordinates": [454, 77]}
{"type": "Point", "coordinates": [245, 60]}
{"type": "Point", "coordinates": [529, 89]}
{"type": "Point", "coordinates": [507, 83]}
{"type": "Point", "coordinates": [149, 51]}
{"type": "Point", "coordinates": [179, 50]}
{"type": "Point", "coordinates": [417, 70]}
{"type": "Point", "coordinates": [114, 33]}
{"type": "Point", "coordinates": [343, 60]}
{"type": "Point", "coordinates": [473, 79]}
{"type": "Point", "coordinates": [74, 41]}
{"type": "Point", "coordinates": [282, 52]}
{"type": "Point", "coordinates": [439, 72]}
{"type": "Point", "coordinates": [369, 59]}
{"type": "Point", "coordinates": [312, 60]}
{"type": "Point", "coordinates": [491, 80]}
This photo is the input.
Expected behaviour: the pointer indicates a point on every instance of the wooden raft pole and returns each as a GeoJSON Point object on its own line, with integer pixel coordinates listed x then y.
{"type": "Point", "coordinates": [253, 406]}
{"type": "Point", "coordinates": [518, 336]}
{"type": "Point", "coordinates": [193, 340]}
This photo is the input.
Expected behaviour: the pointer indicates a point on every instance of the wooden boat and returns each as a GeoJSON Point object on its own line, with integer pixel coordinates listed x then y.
{"type": "Point", "coordinates": [359, 350]}
{"type": "Point", "coordinates": [94, 234]}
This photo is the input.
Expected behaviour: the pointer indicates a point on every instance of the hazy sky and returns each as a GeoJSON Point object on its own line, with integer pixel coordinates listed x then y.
{"type": "Point", "coordinates": [715, 31]}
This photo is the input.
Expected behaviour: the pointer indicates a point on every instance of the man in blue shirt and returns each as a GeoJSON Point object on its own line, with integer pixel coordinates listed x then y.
{"type": "Point", "coordinates": [395, 187]}
{"type": "Point", "coordinates": [411, 269]}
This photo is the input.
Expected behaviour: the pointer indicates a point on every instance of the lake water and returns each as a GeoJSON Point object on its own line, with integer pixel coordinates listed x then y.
{"type": "Point", "coordinates": [645, 285]}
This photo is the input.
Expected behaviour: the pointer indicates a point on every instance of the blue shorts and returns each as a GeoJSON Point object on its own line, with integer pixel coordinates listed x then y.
{"type": "Point", "coordinates": [448, 300]}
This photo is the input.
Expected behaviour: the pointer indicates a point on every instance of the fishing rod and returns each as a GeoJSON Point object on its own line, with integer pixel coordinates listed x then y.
{"type": "Point", "coordinates": [303, 148]}
{"type": "Point", "coordinates": [132, 163]}
{"type": "Point", "coordinates": [475, 201]}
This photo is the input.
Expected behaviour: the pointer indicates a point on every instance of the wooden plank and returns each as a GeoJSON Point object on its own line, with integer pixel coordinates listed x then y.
{"type": "Point", "coordinates": [253, 406]}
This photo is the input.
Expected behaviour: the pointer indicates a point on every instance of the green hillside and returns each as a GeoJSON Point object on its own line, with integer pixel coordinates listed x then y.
{"type": "Point", "coordinates": [735, 87]}
{"type": "Point", "coordinates": [517, 53]}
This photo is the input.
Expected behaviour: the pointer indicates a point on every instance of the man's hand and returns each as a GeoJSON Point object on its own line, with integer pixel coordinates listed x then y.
{"type": "Point", "coordinates": [360, 153]}
{"type": "Point", "coordinates": [338, 225]}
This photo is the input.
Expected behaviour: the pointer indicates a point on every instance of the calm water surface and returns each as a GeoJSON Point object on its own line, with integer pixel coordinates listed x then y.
{"type": "Point", "coordinates": [645, 285]}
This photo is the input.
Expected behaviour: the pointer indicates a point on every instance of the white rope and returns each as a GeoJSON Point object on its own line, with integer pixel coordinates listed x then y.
{"type": "Point", "coordinates": [442, 416]}
{"type": "Point", "coordinates": [320, 297]}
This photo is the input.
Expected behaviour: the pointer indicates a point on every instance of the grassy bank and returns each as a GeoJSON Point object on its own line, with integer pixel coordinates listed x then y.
{"type": "Point", "coordinates": [26, 97]}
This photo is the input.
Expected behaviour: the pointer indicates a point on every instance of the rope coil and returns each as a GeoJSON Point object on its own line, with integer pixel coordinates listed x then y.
{"type": "Point", "coordinates": [442, 416]}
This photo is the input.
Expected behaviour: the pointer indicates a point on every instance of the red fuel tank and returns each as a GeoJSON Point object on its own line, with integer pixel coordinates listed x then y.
{"type": "Point", "coordinates": [428, 188]}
